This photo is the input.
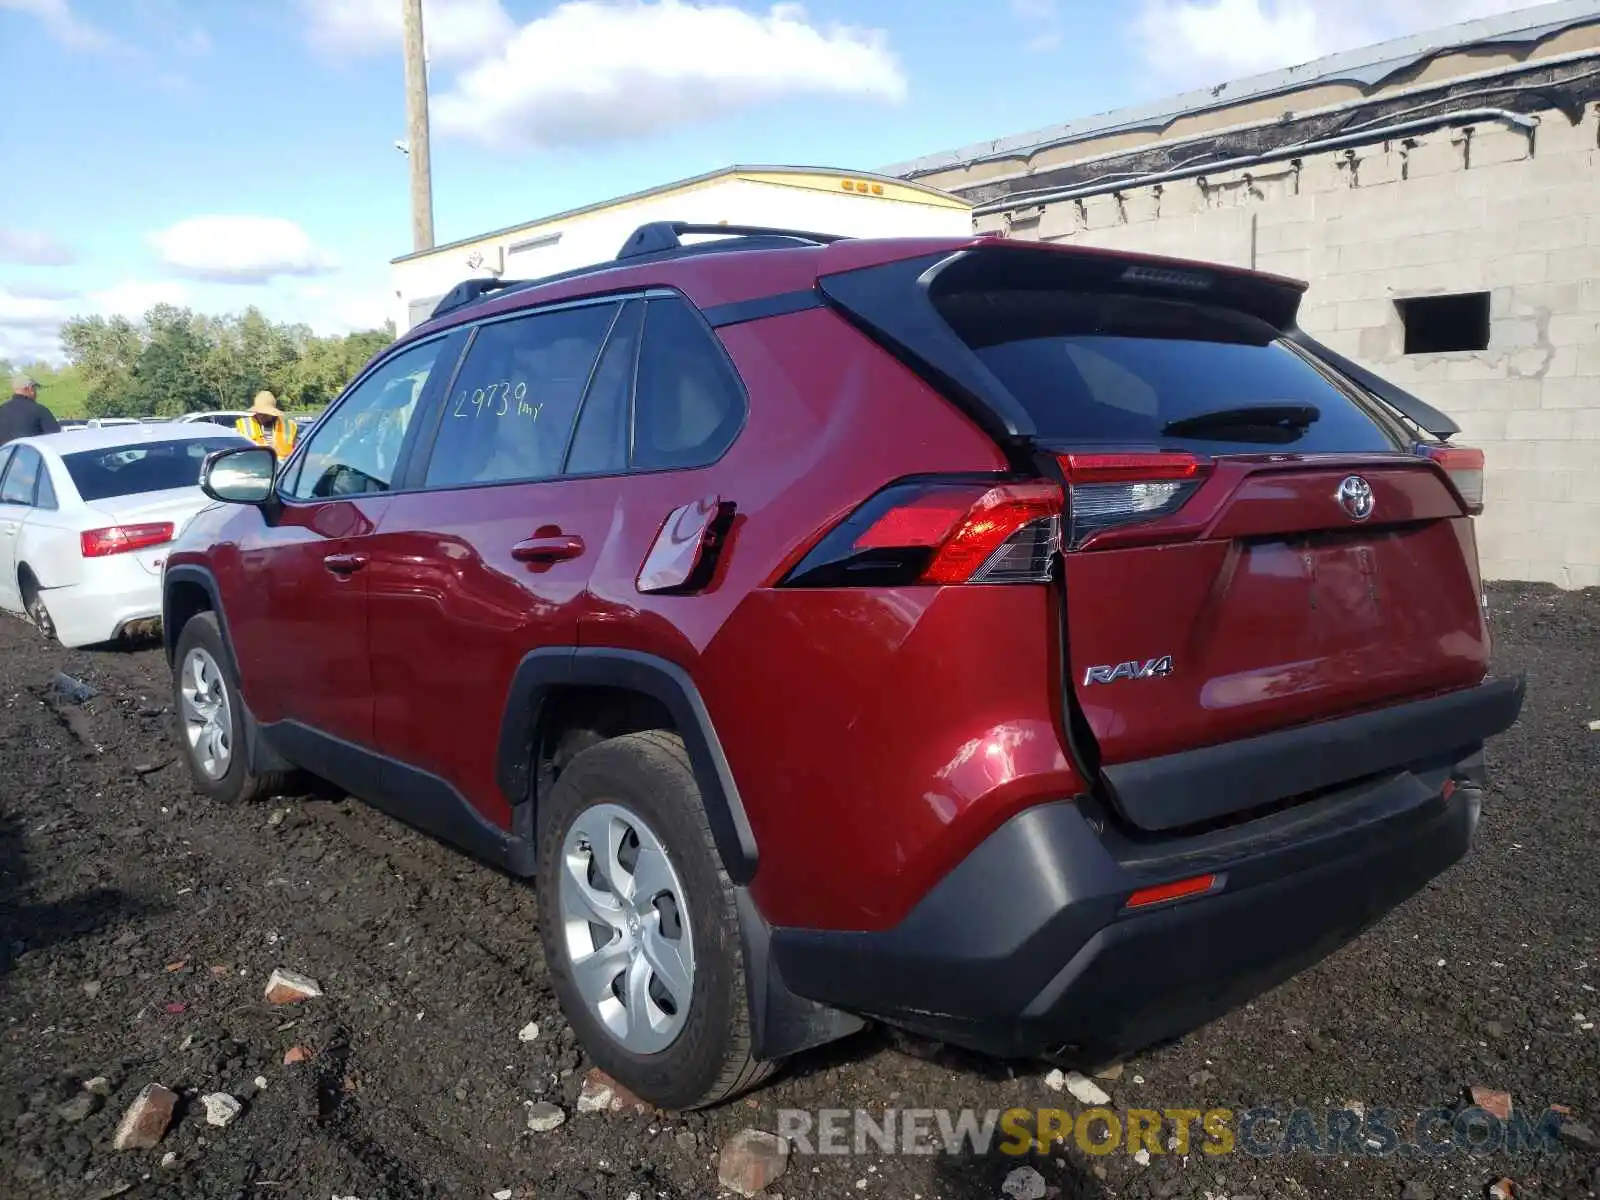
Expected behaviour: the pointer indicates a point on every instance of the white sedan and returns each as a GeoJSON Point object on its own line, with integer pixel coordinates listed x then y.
{"type": "Point", "coordinates": [86, 517]}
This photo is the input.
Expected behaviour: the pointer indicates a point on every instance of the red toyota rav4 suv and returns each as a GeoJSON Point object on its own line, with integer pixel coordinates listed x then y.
{"type": "Point", "coordinates": [1039, 648]}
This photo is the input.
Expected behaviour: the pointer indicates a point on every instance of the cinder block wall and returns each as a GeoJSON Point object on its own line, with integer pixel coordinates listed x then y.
{"type": "Point", "coordinates": [1485, 208]}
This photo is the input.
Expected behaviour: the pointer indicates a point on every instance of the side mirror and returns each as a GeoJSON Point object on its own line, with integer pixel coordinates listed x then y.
{"type": "Point", "coordinates": [245, 475]}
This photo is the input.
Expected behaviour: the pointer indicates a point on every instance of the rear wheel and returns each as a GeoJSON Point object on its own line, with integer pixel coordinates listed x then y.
{"type": "Point", "coordinates": [33, 603]}
{"type": "Point", "coordinates": [210, 715]}
{"type": "Point", "coordinates": [639, 926]}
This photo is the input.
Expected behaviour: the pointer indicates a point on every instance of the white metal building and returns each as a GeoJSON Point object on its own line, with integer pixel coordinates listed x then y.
{"type": "Point", "coordinates": [810, 198]}
{"type": "Point", "coordinates": [1440, 193]}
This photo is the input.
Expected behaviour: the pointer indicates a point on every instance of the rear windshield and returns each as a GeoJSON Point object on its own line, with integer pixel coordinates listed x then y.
{"type": "Point", "coordinates": [141, 467]}
{"type": "Point", "coordinates": [1120, 368]}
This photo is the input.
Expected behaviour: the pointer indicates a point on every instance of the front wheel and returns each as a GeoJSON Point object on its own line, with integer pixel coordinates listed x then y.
{"type": "Point", "coordinates": [210, 715]}
{"type": "Point", "coordinates": [33, 603]}
{"type": "Point", "coordinates": [639, 925]}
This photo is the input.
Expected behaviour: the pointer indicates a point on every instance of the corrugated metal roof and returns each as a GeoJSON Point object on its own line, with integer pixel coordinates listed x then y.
{"type": "Point", "coordinates": [1366, 67]}
{"type": "Point", "coordinates": [665, 189]}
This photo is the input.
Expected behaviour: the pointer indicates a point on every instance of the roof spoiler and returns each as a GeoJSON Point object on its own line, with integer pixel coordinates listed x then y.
{"type": "Point", "coordinates": [1421, 413]}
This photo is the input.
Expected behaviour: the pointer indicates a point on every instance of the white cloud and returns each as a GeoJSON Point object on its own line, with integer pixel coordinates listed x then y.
{"type": "Point", "coordinates": [240, 249]}
{"type": "Point", "coordinates": [452, 29]}
{"type": "Point", "coordinates": [31, 318]}
{"type": "Point", "coordinates": [1190, 43]}
{"type": "Point", "coordinates": [590, 70]}
{"type": "Point", "coordinates": [335, 308]}
{"type": "Point", "coordinates": [1041, 19]}
{"type": "Point", "coordinates": [62, 24]}
{"type": "Point", "coordinates": [31, 248]}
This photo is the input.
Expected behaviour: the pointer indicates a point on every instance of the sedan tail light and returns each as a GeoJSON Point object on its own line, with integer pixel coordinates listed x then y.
{"type": "Point", "coordinates": [121, 539]}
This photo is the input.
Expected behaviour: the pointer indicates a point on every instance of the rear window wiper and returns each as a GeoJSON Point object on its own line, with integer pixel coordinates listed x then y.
{"type": "Point", "coordinates": [1289, 417]}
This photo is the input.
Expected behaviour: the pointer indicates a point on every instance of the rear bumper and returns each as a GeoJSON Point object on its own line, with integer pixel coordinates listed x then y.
{"type": "Point", "coordinates": [99, 610]}
{"type": "Point", "coordinates": [1027, 947]}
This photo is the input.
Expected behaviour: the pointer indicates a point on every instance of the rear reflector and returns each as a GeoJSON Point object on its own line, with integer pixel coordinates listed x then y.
{"type": "Point", "coordinates": [1108, 490]}
{"type": "Point", "coordinates": [121, 539]}
{"type": "Point", "coordinates": [1464, 465]}
{"type": "Point", "coordinates": [1162, 892]}
{"type": "Point", "coordinates": [941, 532]}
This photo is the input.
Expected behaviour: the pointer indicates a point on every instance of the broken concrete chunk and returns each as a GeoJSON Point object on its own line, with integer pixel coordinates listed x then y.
{"type": "Point", "coordinates": [221, 1109]}
{"type": "Point", "coordinates": [147, 1118]}
{"type": "Point", "coordinates": [751, 1160]}
{"type": "Point", "coordinates": [290, 987]}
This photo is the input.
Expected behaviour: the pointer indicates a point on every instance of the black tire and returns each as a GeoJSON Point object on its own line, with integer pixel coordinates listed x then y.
{"type": "Point", "coordinates": [33, 604]}
{"type": "Point", "coordinates": [236, 785]}
{"type": "Point", "coordinates": [709, 1061]}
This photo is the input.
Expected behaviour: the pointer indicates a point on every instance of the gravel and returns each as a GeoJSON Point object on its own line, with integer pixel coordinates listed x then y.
{"type": "Point", "coordinates": [418, 1085]}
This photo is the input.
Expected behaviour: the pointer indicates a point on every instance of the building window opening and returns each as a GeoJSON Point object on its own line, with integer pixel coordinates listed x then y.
{"type": "Point", "coordinates": [1441, 324]}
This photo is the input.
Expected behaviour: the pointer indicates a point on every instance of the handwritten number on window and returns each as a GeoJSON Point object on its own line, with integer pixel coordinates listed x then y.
{"type": "Point", "coordinates": [498, 400]}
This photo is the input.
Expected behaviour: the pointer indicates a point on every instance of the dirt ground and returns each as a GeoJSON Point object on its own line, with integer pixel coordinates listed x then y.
{"type": "Point", "coordinates": [138, 926]}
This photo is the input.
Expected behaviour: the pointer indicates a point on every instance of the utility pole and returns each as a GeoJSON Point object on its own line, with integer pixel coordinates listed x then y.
{"type": "Point", "coordinates": [417, 129]}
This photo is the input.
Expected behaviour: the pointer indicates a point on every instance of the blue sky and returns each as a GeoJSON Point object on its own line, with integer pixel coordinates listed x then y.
{"type": "Point", "coordinates": [225, 154]}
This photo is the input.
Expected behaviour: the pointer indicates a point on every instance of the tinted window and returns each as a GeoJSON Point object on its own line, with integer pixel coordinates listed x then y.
{"type": "Point", "coordinates": [1103, 367]}
{"type": "Point", "coordinates": [600, 443]}
{"type": "Point", "coordinates": [511, 410]}
{"type": "Point", "coordinates": [689, 405]}
{"type": "Point", "coordinates": [21, 475]}
{"type": "Point", "coordinates": [357, 447]}
{"type": "Point", "coordinates": [141, 466]}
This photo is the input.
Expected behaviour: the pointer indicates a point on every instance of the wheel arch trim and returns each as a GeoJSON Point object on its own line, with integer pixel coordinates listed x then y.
{"type": "Point", "coordinates": [544, 671]}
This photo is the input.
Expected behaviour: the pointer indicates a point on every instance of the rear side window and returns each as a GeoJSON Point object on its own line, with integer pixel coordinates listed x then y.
{"type": "Point", "coordinates": [1101, 367]}
{"type": "Point", "coordinates": [20, 477]}
{"type": "Point", "coordinates": [511, 411]}
{"type": "Point", "coordinates": [600, 442]}
{"type": "Point", "coordinates": [142, 466]}
{"type": "Point", "coordinates": [688, 404]}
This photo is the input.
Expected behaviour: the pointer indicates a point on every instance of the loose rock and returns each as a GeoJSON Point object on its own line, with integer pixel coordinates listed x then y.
{"type": "Point", "coordinates": [544, 1116]}
{"type": "Point", "coordinates": [221, 1109]}
{"type": "Point", "coordinates": [1024, 1184]}
{"type": "Point", "coordinates": [1084, 1090]}
{"type": "Point", "coordinates": [296, 1054]}
{"type": "Point", "coordinates": [1416, 1190]}
{"type": "Point", "coordinates": [290, 987]}
{"type": "Point", "coordinates": [751, 1160]}
{"type": "Point", "coordinates": [1496, 1103]}
{"type": "Point", "coordinates": [1110, 1073]}
{"type": "Point", "coordinates": [147, 1118]}
{"type": "Point", "coordinates": [529, 1032]}
{"type": "Point", "coordinates": [78, 1108]}
{"type": "Point", "coordinates": [91, 988]}
{"type": "Point", "coordinates": [1502, 1189]}
{"type": "Point", "coordinates": [1581, 1136]}
{"type": "Point", "coordinates": [99, 1085]}
{"type": "Point", "coordinates": [601, 1093]}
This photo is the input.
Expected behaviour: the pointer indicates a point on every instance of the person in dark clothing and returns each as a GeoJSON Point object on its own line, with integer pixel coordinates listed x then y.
{"type": "Point", "coordinates": [23, 415]}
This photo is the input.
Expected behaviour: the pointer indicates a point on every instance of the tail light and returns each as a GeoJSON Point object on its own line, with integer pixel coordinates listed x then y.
{"type": "Point", "coordinates": [120, 539]}
{"type": "Point", "coordinates": [1108, 490]}
{"type": "Point", "coordinates": [1464, 465]}
{"type": "Point", "coordinates": [940, 532]}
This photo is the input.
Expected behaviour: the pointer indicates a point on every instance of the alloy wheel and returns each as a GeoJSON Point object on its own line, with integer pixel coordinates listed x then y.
{"type": "Point", "coordinates": [207, 715]}
{"type": "Point", "coordinates": [625, 922]}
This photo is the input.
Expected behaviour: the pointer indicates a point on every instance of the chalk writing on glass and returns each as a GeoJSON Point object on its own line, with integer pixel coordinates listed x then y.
{"type": "Point", "coordinates": [497, 400]}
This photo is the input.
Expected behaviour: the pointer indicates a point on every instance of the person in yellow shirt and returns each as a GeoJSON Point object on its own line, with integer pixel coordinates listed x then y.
{"type": "Point", "coordinates": [268, 426]}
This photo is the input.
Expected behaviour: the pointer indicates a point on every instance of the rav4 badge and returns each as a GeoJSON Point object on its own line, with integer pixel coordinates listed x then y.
{"type": "Point", "coordinates": [1155, 668]}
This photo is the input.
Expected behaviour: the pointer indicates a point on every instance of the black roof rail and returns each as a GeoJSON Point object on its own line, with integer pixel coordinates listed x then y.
{"type": "Point", "coordinates": [657, 240]}
{"type": "Point", "coordinates": [469, 291]}
{"type": "Point", "coordinates": [660, 236]}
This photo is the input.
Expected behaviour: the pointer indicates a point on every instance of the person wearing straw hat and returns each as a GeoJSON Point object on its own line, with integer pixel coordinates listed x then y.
{"type": "Point", "coordinates": [267, 426]}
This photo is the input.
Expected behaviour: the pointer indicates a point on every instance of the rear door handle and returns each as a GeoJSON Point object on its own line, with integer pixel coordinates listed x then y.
{"type": "Point", "coordinates": [345, 564]}
{"type": "Point", "coordinates": [554, 548]}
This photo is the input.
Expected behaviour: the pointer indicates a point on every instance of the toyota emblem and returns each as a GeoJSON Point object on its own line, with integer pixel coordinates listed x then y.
{"type": "Point", "coordinates": [1355, 497]}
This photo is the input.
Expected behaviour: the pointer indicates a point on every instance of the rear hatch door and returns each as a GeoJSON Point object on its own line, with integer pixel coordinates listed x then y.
{"type": "Point", "coordinates": [1252, 543]}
